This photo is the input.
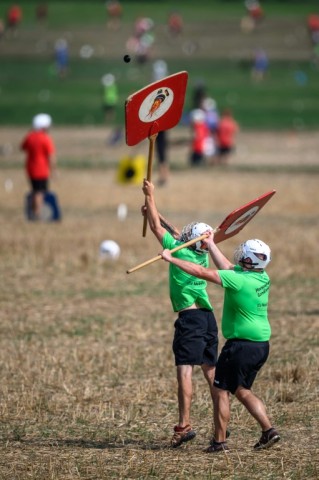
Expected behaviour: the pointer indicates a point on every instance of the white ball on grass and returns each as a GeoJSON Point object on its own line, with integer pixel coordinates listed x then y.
{"type": "Point", "coordinates": [109, 250]}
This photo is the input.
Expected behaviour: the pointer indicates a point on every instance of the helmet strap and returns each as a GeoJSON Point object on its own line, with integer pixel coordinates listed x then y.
{"type": "Point", "coordinates": [248, 265]}
{"type": "Point", "coordinates": [252, 266]}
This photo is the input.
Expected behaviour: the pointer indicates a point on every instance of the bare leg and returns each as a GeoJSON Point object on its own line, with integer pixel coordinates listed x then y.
{"type": "Point", "coordinates": [209, 374]}
{"type": "Point", "coordinates": [163, 171]}
{"type": "Point", "coordinates": [255, 407]}
{"type": "Point", "coordinates": [185, 391]}
{"type": "Point", "coordinates": [224, 159]}
{"type": "Point", "coordinates": [37, 201]}
{"type": "Point", "coordinates": [221, 413]}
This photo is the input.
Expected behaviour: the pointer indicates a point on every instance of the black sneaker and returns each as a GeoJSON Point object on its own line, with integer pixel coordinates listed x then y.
{"type": "Point", "coordinates": [216, 447]}
{"type": "Point", "coordinates": [267, 439]}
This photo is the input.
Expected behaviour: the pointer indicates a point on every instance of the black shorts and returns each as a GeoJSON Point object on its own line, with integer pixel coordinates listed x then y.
{"type": "Point", "coordinates": [39, 185]}
{"type": "Point", "coordinates": [238, 364]}
{"type": "Point", "coordinates": [196, 338]}
{"type": "Point", "coordinates": [225, 150]}
{"type": "Point", "coordinates": [109, 108]}
{"type": "Point", "coordinates": [196, 158]}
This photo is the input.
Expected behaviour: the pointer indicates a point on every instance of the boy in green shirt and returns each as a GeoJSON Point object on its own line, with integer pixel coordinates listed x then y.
{"type": "Point", "coordinates": [246, 328]}
{"type": "Point", "coordinates": [196, 333]}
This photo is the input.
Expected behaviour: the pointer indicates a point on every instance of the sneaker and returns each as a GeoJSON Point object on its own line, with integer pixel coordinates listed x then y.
{"type": "Point", "coordinates": [181, 435]}
{"type": "Point", "coordinates": [267, 439]}
{"type": "Point", "coordinates": [215, 447]}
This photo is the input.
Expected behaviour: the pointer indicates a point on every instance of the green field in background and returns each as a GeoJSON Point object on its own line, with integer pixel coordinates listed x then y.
{"type": "Point", "coordinates": [79, 12]}
{"type": "Point", "coordinates": [288, 97]}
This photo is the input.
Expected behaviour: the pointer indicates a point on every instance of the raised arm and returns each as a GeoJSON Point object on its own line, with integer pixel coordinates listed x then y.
{"type": "Point", "coordinates": [151, 211]}
{"type": "Point", "coordinates": [219, 259]}
{"type": "Point", "coordinates": [169, 227]}
{"type": "Point", "coordinates": [192, 268]}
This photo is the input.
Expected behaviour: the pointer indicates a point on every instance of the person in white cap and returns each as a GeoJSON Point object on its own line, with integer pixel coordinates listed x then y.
{"type": "Point", "coordinates": [40, 159]}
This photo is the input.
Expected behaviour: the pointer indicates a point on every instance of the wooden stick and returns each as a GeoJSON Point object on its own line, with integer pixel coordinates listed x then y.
{"type": "Point", "coordinates": [158, 257]}
{"type": "Point", "coordinates": [152, 139]}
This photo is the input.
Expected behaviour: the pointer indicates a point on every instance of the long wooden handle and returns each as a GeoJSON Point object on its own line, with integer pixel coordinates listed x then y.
{"type": "Point", "coordinates": [152, 139]}
{"type": "Point", "coordinates": [158, 257]}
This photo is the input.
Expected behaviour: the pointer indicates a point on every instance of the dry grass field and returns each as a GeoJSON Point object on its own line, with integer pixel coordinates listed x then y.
{"type": "Point", "coordinates": [88, 386]}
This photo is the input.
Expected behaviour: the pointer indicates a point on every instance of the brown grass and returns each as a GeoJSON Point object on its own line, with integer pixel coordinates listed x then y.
{"type": "Point", "coordinates": [88, 386]}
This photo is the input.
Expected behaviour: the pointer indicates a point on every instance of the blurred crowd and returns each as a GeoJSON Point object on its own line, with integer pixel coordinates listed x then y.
{"type": "Point", "coordinates": [213, 134]}
{"type": "Point", "coordinates": [212, 130]}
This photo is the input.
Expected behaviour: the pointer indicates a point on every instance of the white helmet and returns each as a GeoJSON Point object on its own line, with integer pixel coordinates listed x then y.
{"type": "Point", "coordinates": [197, 115]}
{"type": "Point", "coordinates": [194, 230]}
{"type": "Point", "coordinates": [108, 79]}
{"type": "Point", "coordinates": [258, 252]}
{"type": "Point", "coordinates": [41, 121]}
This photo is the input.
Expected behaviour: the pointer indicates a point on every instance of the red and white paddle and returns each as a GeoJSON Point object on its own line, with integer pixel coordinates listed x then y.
{"type": "Point", "coordinates": [230, 226]}
{"type": "Point", "coordinates": [238, 218]}
{"type": "Point", "coordinates": [154, 108]}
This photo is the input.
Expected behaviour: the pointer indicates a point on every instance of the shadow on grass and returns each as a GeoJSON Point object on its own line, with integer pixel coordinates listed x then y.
{"type": "Point", "coordinates": [82, 443]}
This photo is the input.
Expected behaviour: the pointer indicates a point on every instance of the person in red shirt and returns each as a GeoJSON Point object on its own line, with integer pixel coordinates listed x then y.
{"type": "Point", "coordinates": [14, 17]}
{"type": "Point", "coordinates": [40, 159]}
{"type": "Point", "coordinates": [255, 10]}
{"type": "Point", "coordinates": [202, 141]}
{"type": "Point", "coordinates": [175, 24]}
{"type": "Point", "coordinates": [114, 11]}
{"type": "Point", "coordinates": [225, 137]}
{"type": "Point", "coordinates": [313, 28]}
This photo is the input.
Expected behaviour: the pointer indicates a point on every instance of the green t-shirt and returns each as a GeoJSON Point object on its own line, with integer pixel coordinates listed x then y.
{"type": "Point", "coordinates": [245, 304]}
{"type": "Point", "coordinates": [110, 95]}
{"type": "Point", "coordinates": [186, 289]}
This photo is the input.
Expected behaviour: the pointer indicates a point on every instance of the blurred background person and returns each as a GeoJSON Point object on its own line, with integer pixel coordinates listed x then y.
{"type": "Point", "coordinates": [141, 42]}
{"type": "Point", "coordinates": [2, 28]}
{"type": "Point", "coordinates": [110, 97]}
{"type": "Point", "coordinates": [13, 20]}
{"type": "Point", "coordinates": [211, 113]}
{"type": "Point", "coordinates": [201, 100]}
{"type": "Point", "coordinates": [114, 12]}
{"type": "Point", "coordinates": [161, 147]}
{"type": "Point", "coordinates": [313, 28]}
{"type": "Point", "coordinates": [255, 11]}
{"type": "Point", "coordinates": [110, 101]}
{"type": "Point", "coordinates": [41, 12]}
{"type": "Point", "coordinates": [61, 51]}
{"type": "Point", "coordinates": [225, 137]}
{"type": "Point", "coordinates": [202, 140]}
{"type": "Point", "coordinates": [175, 24]}
{"type": "Point", "coordinates": [199, 94]}
{"type": "Point", "coordinates": [40, 160]}
{"type": "Point", "coordinates": [260, 65]}
{"type": "Point", "coordinates": [159, 70]}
